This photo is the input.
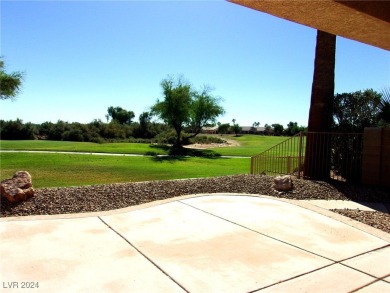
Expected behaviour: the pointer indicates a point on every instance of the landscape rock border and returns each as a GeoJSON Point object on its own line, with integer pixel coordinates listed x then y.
{"type": "Point", "coordinates": [66, 200]}
{"type": "Point", "coordinates": [105, 197]}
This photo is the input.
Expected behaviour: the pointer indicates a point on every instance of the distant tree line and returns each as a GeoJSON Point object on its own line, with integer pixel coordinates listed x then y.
{"type": "Point", "coordinates": [275, 129]}
{"type": "Point", "coordinates": [143, 130]}
{"type": "Point", "coordinates": [119, 127]}
{"type": "Point", "coordinates": [95, 131]}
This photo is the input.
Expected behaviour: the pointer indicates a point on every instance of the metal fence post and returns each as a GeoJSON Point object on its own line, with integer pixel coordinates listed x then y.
{"type": "Point", "coordinates": [300, 155]}
{"type": "Point", "coordinates": [289, 165]}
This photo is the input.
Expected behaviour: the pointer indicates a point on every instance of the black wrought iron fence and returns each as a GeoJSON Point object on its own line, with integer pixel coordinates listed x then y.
{"type": "Point", "coordinates": [339, 153]}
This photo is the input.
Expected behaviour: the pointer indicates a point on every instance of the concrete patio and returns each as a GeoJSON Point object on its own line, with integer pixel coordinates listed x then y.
{"type": "Point", "coordinates": [198, 243]}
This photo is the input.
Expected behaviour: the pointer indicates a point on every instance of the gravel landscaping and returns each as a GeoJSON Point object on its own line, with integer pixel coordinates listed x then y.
{"type": "Point", "coordinates": [377, 220]}
{"type": "Point", "coordinates": [50, 201]}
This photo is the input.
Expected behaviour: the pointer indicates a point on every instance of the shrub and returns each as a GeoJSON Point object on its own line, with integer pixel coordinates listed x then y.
{"type": "Point", "coordinates": [204, 139]}
{"type": "Point", "coordinates": [17, 130]}
{"type": "Point", "coordinates": [166, 137]}
{"type": "Point", "coordinates": [73, 135]}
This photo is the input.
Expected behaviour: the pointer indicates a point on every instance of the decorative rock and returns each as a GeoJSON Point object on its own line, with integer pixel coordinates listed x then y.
{"type": "Point", "coordinates": [283, 183]}
{"type": "Point", "coordinates": [18, 188]}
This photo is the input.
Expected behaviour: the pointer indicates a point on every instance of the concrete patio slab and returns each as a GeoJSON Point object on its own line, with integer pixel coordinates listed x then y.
{"type": "Point", "coordinates": [375, 263]}
{"type": "Point", "coordinates": [377, 287]}
{"type": "Point", "coordinates": [205, 253]}
{"type": "Point", "coordinates": [335, 278]}
{"type": "Point", "coordinates": [297, 226]}
{"type": "Point", "coordinates": [210, 243]}
{"type": "Point", "coordinates": [74, 255]}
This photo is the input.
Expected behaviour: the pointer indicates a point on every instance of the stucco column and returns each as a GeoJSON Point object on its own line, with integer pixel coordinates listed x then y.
{"type": "Point", "coordinates": [317, 158]}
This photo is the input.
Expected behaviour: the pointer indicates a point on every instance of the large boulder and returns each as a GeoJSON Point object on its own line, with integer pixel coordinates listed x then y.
{"type": "Point", "coordinates": [18, 188]}
{"type": "Point", "coordinates": [283, 183]}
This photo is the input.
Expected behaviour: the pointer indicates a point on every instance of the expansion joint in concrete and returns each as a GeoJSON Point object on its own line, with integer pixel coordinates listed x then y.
{"type": "Point", "coordinates": [144, 255]}
{"type": "Point", "coordinates": [258, 232]}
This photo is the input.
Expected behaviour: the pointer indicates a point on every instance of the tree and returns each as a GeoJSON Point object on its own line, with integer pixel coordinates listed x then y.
{"type": "Point", "coordinates": [183, 107]}
{"type": "Point", "coordinates": [293, 129]}
{"type": "Point", "coordinates": [236, 128]}
{"type": "Point", "coordinates": [175, 108]}
{"type": "Point", "coordinates": [120, 115]}
{"type": "Point", "coordinates": [352, 112]}
{"type": "Point", "coordinates": [223, 128]}
{"type": "Point", "coordinates": [278, 129]}
{"type": "Point", "coordinates": [254, 127]}
{"type": "Point", "coordinates": [204, 111]}
{"type": "Point", "coordinates": [384, 107]}
{"type": "Point", "coordinates": [144, 125]}
{"type": "Point", "coordinates": [10, 83]}
{"type": "Point", "coordinates": [16, 130]}
{"type": "Point", "coordinates": [268, 129]}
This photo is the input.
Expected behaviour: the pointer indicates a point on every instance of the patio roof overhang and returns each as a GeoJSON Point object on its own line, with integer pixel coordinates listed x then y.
{"type": "Point", "coordinates": [364, 21]}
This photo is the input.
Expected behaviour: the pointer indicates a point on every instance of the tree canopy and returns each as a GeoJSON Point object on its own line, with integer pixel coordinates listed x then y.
{"type": "Point", "coordinates": [352, 112]}
{"type": "Point", "coordinates": [293, 129]}
{"type": "Point", "coordinates": [384, 107]}
{"type": "Point", "coordinates": [120, 115]}
{"type": "Point", "coordinates": [204, 110]}
{"type": "Point", "coordinates": [182, 106]}
{"type": "Point", "coordinates": [10, 83]}
{"type": "Point", "coordinates": [236, 128]}
{"type": "Point", "coordinates": [278, 129]}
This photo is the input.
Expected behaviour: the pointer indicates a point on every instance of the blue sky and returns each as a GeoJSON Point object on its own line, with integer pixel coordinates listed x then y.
{"type": "Point", "coordinates": [80, 57]}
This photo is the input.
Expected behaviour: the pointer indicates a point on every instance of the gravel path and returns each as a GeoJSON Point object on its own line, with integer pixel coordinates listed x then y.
{"type": "Point", "coordinates": [50, 201]}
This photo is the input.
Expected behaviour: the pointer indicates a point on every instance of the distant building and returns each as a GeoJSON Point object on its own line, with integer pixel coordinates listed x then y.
{"type": "Point", "coordinates": [210, 130]}
{"type": "Point", "coordinates": [244, 130]}
{"type": "Point", "coordinates": [252, 130]}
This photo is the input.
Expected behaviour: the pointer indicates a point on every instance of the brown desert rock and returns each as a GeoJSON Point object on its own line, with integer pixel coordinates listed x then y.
{"type": "Point", "coordinates": [18, 188]}
{"type": "Point", "coordinates": [283, 183]}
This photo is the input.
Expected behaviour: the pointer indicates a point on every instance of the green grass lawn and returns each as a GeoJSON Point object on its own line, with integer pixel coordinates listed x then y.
{"type": "Point", "coordinates": [48, 145]}
{"type": "Point", "coordinates": [57, 170]}
{"type": "Point", "coordinates": [250, 144]}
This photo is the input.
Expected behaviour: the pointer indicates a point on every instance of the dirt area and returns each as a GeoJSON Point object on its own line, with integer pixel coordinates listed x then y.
{"type": "Point", "coordinates": [228, 143]}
